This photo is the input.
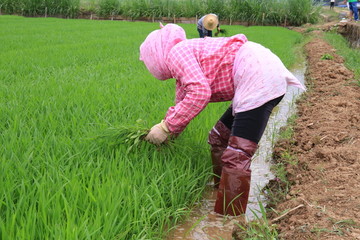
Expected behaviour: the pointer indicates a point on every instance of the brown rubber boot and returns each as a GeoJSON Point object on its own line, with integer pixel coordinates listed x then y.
{"type": "Point", "coordinates": [218, 139]}
{"type": "Point", "coordinates": [233, 192]}
{"type": "Point", "coordinates": [234, 186]}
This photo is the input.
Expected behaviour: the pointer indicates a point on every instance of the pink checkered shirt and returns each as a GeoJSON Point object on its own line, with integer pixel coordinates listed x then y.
{"type": "Point", "coordinates": [203, 72]}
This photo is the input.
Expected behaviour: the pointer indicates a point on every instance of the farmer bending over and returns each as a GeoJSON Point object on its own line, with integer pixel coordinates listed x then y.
{"type": "Point", "coordinates": [207, 24]}
{"type": "Point", "coordinates": [217, 70]}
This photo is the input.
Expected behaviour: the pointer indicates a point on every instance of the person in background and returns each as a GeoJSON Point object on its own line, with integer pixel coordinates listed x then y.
{"type": "Point", "coordinates": [353, 8]}
{"type": "Point", "coordinates": [207, 24]}
{"type": "Point", "coordinates": [217, 70]}
{"type": "Point", "coordinates": [332, 4]}
{"type": "Point", "coordinates": [350, 13]}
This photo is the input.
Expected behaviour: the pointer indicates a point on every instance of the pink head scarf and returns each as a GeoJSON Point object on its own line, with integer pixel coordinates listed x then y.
{"type": "Point", "coordinates": [156, 47]}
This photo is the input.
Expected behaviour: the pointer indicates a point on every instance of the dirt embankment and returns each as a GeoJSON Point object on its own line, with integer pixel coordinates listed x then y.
{"type": "Point", "coordinates": [327, 148]}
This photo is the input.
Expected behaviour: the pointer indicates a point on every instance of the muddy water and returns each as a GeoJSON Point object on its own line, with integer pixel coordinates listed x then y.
{"type": "Point", "coordinates": [204, 223]}
{"type": "Point", "coordinates": [261, 163]}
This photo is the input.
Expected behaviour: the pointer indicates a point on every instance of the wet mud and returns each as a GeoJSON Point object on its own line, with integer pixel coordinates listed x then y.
{"type": "Point", "coordinates": [204, 223]}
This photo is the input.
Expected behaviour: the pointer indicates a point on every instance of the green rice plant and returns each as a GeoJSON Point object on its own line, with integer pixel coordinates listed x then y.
{"type": "Point", "coordinates": [222, 32]}
{"type": "Point", "coordinates": [350, 55]}
{"type": "Point", "coordinates": [63, 80]}
{"type": "Point", "coordinates": [278, 47]}
{"type": "Point", "coordinates": [117, 135]}
{"type": "Point", "coordinates": [260, 228]}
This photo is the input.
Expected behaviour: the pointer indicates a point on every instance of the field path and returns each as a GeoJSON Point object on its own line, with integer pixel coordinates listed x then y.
{"type": "Point", "coordinates": [327, 147]}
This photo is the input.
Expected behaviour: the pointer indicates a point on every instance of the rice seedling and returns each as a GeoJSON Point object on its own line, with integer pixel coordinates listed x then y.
{"type": "Point", "coordinates": [132, 137]}
{"type": "Point", "coordinates": [129, 135]}
{"type": "Point", "coordinates": [260, 228]}
{"type": "Point", "coordinates": [222, 32]}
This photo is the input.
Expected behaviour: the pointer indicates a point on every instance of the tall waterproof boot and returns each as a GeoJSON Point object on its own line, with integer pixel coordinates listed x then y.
{"type": "Point", "coordinates": [218, 140]}
{"type": "Point", "coordinates": [234, 185]}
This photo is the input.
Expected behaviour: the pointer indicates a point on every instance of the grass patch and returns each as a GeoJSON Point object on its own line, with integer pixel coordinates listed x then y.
{"type": "Point", "coordinates": [350, 55]}
{"type": "Point", "coordinates": [259, 228]}
{"type": "Point", "coordinates": [339, 228]}
{"type": "Point", "coordinates": [278, 188]}
{"type": "Point", "coordinates": [327, 56]}
{"type": "Point", "coordinates": [310, 29]}
{"type": "Point", "coordinates": [331, 15]}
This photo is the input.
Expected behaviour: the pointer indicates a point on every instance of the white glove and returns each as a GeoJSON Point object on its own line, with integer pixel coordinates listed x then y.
{"type": "Point", "coordinates": [158, 133]}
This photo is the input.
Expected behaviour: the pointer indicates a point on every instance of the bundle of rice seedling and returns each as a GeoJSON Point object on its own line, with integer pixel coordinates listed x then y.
{"type": "Point", "coordinates": [222, 32]}
{"type": "Point", "coordinates": [131, 136]}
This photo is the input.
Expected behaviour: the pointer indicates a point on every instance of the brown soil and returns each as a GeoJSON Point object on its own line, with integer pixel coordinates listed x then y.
{"type": "Point", "coordinates": [326, 145]}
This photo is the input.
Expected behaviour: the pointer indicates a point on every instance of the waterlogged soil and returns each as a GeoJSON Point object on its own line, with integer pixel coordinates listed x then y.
{"type": "Point", "coordinates": [325, 170]}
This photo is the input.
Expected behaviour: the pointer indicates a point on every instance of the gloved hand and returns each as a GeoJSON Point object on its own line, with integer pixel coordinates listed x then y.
{"type": "Point", "coordinates": [158, 133]}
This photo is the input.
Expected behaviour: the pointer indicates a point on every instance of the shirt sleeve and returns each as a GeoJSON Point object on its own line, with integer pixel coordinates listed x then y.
{"type": "Point", "coordinates": [191, 84]}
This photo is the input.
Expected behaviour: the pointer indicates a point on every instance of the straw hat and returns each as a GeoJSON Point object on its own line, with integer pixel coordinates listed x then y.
{"type": "Point", "coordinates": [210, 22]}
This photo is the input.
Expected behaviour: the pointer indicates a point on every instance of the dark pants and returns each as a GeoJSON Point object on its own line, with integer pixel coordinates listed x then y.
{"type": "Point", "coordinates": [353, 8]}
{"type": "Point", "coordinates": [250, 124]}
{"type": "Point", "coordinates": [332, 4]}
{"type": "Point", "coordinates": [203, 34]}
